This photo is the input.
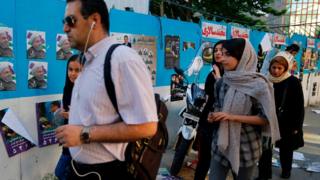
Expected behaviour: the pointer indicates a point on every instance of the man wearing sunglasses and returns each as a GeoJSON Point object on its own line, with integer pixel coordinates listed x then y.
{"type": "Point", "coordinates": [96, 136]}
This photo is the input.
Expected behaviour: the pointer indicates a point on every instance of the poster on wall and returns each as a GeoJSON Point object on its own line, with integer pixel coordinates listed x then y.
{"type": "Point", "coordinates": [145, 46]}
{"type": "Point", "coordinates": [172, 51]}
{"type": "Point", "coordinates": [38, 75]}
{"type": "Point", "coordinates": [279, 39]}
{"type": "Point", "coordinates": [36, 45]}
{"type": "Point", "coordinates": [13, 142]}
{"type": "Point", "coordinates": [7, 77]}
{"type": "Point", "coordinates": [63, 47]}
{"type": "Point", "coordinates": [318, 45]}
{"type": "Point", "coordinates": [188, 45]}
{"type": "Point", "coordinates": [6, 42]}
{"type": "Point", "coordinates": [216, 31]}
{"type": "Point", "coordinates": [177, 89]}
{"type": "Point", "coordinates": [207, 56]}
{"type": "Point", "coordinates": [48, 119]}
{"type": "Point", "coordinates": [237, 32]}
{"type": "Point", "coordinates": [311, 43]}
{"type": "Point", "coordinates": [309, 59]}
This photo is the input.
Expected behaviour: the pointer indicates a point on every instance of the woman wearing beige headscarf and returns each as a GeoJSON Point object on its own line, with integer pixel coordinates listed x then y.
{"type": "Point", "coordinates": [290, 112]}
{"type": "Point", "coordinates": [244, 106]}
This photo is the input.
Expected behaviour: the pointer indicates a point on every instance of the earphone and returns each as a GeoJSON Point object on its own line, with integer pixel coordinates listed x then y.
{"type": "Point", "coordinates": [91, 27]}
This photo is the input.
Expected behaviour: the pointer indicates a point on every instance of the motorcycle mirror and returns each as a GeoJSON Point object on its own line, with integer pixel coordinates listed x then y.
{"type": "Point", "coordinates": [207, 54]}
{"type": "Point", "coordinates": [178, 71]}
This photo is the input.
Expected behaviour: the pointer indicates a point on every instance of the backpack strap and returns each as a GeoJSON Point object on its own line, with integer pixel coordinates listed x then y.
{"type": "Point", "coordinates": [108, 79]}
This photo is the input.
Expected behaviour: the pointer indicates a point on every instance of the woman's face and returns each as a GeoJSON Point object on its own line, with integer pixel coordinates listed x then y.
{"type": "Point", "coordinates": [6, 74]}
{"type": "Point", "coordinates": [37, 43]}
{"type": "Point", "coordinates": [218, 53]}
{"type": "Point", "coordinates": [74, 70]}
{"type": "Point", "coordinates": [228, 62]}
{"type": "Point", "coordinates": [277, 69]}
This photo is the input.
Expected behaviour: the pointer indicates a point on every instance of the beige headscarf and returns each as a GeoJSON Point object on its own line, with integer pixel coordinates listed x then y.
{"type": "Point", "coordinates": [289, 58]}
{"type": "Point", "coordinates": [244, 83]}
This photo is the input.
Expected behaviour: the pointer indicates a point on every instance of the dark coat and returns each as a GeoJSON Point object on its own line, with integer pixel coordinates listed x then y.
{"type": "Point", "coordinates": [204, 125]}
{"type": "Point", "coordinates": [292, 117]}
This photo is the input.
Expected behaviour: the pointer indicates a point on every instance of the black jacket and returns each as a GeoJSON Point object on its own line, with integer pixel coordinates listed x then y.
{"type": "Point", "coordinates": [292, 118]}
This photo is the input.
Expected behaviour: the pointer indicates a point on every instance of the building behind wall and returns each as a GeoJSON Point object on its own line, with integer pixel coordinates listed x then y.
{"type": "Point", "coordinates": [138, 6]}
{"type": "Point", "coordinates": [302, 17]}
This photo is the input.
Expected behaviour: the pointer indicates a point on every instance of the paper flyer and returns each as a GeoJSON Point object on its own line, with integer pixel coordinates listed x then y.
{"type": "Point", "coordinates": [48, 119]}
{"type": "Point", "coordinates": [14, 135]}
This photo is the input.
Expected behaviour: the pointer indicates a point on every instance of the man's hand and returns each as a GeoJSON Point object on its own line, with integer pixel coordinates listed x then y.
{"type": "Point", "coordinates": [219, 116]}
{"type": "Point", "coordinates": [69, 135]}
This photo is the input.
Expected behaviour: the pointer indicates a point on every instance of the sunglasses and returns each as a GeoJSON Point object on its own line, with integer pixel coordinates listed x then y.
{"type": "Point", "coordinates": [70, 21]}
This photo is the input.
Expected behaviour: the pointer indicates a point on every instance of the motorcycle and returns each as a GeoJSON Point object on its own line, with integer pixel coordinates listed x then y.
{"type": "Point", "coordinates": [195, 101]}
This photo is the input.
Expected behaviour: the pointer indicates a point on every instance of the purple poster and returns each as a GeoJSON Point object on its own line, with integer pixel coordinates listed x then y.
{"type": "Point", "coordinates": [14, 143]}
{"type": "Point", "coordinates": [48, 119]}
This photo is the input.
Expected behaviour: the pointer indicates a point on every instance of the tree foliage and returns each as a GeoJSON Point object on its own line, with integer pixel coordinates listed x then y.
{"type": "Point", "coordinates": [245, 12]}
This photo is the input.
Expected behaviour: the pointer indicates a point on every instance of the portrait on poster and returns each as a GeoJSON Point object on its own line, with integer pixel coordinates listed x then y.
{"type": "Point", "coordinates": [6, 42]}
{"type": "Point", "coordinates": [172, 51]}
{"type": "Point", "coordinates": [36, 45]}
{"type": "Point", "coordinates": [37, 75]}
{"type": "Point", "coordinates": [145, 46]}
{"type": "Point", "coordinates": [48, 119]}
{"type": "Point", "coordinates": [14, 143]}
{"type": "Point", "coordinates": [7, 77]}
{"type": "Point", "coordinates": [63, 47]}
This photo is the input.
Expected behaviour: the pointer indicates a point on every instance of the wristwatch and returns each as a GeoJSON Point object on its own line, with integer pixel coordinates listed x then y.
{"type": "Point", "coordinates": [85, 135]}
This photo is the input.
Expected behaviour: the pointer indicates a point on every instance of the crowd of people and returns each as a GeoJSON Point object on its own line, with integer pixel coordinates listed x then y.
{"type": "Point", "coordinates": [245, 115]}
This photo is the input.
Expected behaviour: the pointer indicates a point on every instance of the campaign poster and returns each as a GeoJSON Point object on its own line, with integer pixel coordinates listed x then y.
{"type": "Point", "coordinates": [7, 77]}
{"type": "Point", "coordinates": [145, 46]}
{"type": "Point", "coordinates": [188, 45]}
{"type": "Point", "coordinates": [279, 39]}
{"type": "Point", "coordinates": [6, 42]}
{"type": "Point", "coordinates": [309, 58]}
{"type": "Point", "coordinates": [48, 119]}
{"type": "Point", "coordinates": [177, 88]}
{"type": "Point", "coordinates": [63, 47]}
{"type": "Point", "coordinates": [37, 75]}
{"type": "Point", "coordinates": [172, 51]}
{"type": "Point", "coordinates": [215, 31]}
{"type": "Point", "coordinates": [36, 45]}
{"type": "Point", "coordinates": [13, 142]}
{"type": "Point", "coordinates": [237, 32]}
{"type": "Point", "coordinates": [311, 43]}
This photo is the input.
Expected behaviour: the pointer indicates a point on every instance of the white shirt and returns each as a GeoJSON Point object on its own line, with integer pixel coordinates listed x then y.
{"type": "Point", "coordinates": [90, 103]}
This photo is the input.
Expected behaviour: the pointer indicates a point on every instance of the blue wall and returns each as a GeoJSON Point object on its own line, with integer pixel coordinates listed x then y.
{"type": "Point", "coordinates": [46, 16]}
{"type": "Point", "coordinates": [22, 15]}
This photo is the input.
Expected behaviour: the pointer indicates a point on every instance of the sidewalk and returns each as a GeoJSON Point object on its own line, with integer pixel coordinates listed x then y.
{"type": "Point", "coordinates": [311, 150]}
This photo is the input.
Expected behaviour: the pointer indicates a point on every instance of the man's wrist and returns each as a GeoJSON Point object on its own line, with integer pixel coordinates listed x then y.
{"type": "Point", "coordinates": [85, 136]}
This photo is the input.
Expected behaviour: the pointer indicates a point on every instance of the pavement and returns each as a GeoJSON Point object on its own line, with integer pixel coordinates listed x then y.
{"type": "Point", "coordinates": [311, 150]}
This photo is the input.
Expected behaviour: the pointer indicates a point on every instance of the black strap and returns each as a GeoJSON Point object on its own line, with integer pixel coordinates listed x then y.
{"type": "Point", "coordinates": [107, 78]}
{"type": "Point", "coordinates": [283, 98]}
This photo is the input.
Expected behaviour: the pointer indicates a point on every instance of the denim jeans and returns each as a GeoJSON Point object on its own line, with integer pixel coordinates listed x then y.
{"type": "Point", "coordinates": [63, 167]}
{"type": "Point", "coordinates": [218, 171]}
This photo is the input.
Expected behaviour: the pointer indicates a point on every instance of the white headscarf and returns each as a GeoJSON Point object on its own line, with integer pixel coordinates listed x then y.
{"type": "Point", "coordinates": [245, 83]}
{"type": "Point", "coordinates": [34, 66]}
{"type": "Point", "coordinates": [4, 65]}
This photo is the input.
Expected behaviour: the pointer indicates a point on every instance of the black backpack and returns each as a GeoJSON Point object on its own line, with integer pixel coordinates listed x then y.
{"type": "Point", "coordinates": [143, 157]}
